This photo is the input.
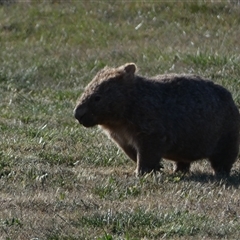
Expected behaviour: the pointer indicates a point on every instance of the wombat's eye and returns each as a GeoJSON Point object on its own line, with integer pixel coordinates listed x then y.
{"type": "Point", "coordinates": [97, 98]}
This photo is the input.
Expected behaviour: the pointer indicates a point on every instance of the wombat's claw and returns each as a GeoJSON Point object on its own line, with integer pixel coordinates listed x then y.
{"type": "Point", "coordinates": [160, 167]}
{"type": "Point", "coordinates": [145, 170]}
{"type": "Point", "coordinates": [221, 175]}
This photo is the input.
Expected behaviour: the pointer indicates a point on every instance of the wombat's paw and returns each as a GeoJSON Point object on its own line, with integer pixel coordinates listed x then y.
{"type": "Point", "coordinates": [220, 175]}
{"type": "Point", "coordinates": [182, 167]}
{"type": "Point", "coordinates": [143, 171]}
{"type": "Point", "coordinates": [140, 171]}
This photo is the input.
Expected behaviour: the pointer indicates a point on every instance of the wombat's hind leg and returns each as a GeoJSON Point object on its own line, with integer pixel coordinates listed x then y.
{"type": "Point", "coordinates": [182, 167]}
{"type": "Point", "coordinates": [221, 165]}
{"type": "Point", "coordinates": [225, 155]}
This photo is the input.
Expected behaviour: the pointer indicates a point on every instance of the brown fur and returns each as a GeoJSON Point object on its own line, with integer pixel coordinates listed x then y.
{"type": "Point", "coordinates": [178, 117]}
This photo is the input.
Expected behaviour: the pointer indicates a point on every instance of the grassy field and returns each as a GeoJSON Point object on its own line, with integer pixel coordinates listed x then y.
{"type": "Point", "coordinates": [61, 181]}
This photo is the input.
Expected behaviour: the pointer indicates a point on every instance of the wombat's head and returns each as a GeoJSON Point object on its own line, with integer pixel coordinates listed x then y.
{"type": "Point", "coordinates": [105, 98]}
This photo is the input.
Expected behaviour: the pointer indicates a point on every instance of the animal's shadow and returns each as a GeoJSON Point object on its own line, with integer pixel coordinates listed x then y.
{"type": "Point", "coordinates": [232, 180]}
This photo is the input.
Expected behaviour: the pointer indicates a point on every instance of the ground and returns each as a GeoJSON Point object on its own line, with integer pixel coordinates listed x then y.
{"type": "Point", "coordinates": [59, 180]}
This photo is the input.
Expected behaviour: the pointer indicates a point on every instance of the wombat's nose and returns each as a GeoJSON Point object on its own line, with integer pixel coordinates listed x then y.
{"type": "Point", "coordinates": [79, 113]}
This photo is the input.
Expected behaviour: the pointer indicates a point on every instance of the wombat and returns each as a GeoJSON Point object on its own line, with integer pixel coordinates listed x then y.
{"type": "Point", "coordinates": [182, 118]}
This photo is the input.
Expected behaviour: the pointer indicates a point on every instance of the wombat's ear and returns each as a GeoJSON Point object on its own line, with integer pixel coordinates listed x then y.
{"type": "Point", "coordinates": [129, 68]}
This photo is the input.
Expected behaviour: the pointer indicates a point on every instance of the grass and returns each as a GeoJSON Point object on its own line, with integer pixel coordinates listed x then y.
{"type": "Point", "coordinates": [61, 181]}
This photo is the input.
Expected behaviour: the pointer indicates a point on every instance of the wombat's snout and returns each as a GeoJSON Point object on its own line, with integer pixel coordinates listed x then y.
{"type": "Point", "coordinates": [85, 117]}
{"type": "Point", "coordinates": [79, 113]}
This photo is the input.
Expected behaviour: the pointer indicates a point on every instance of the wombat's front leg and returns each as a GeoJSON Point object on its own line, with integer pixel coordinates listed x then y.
{"type": "Point", "coordinates": [148, 160]}
{"type": "Point", "coordinates": [130, 151]}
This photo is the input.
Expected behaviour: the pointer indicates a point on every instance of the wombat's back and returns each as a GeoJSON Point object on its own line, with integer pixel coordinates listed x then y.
{"type": "Point", "coordinates": [177, 97]}
{"type": "Point", "coordinates": [192, 113]}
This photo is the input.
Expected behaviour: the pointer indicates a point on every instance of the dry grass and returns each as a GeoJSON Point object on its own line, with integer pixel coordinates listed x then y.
{"type": "Point", "coordinates": [61, 181]}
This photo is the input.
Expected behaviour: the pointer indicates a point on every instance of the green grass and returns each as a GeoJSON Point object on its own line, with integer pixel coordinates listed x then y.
{"type": "Point", "coordinates": [61, 181]}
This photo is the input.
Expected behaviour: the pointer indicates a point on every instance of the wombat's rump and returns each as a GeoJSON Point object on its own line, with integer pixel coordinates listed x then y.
{"type": "Point", "coordinates": [178, 117]}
